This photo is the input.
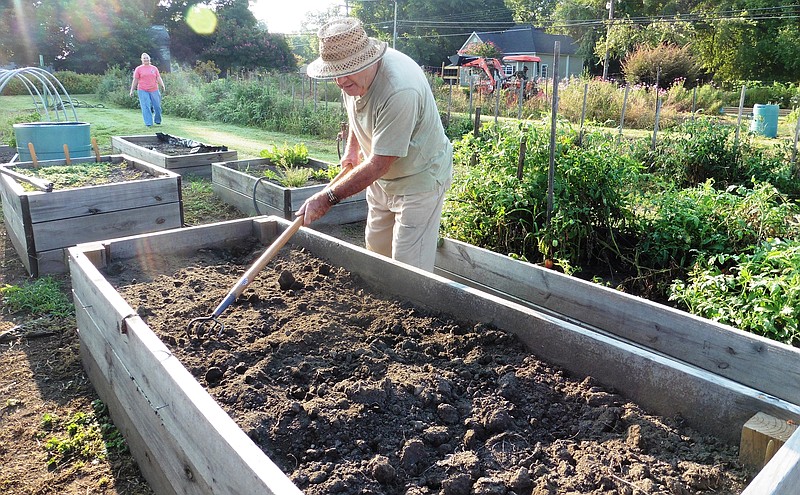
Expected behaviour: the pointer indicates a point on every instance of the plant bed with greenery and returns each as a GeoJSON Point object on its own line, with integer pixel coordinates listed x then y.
{"type": "Point", "coordinates": [92, 202]}
{"type": "Point", "coordinates": [280, 182]}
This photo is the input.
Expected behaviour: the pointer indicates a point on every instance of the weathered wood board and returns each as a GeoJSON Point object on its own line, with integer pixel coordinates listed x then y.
{"type": "Point", "coordinates": [751, 360]}
{"type": "Point", "coordinates": [236, 186]}
{"type": "Point", "coordinates": [41, 224]}
{"type": "Point", "coordinates": [129, 364]}
{"type": "Point", "coordinates": [197, 164]}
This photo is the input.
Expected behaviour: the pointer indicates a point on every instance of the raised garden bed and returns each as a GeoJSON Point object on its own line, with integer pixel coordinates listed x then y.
{"type": "Point", "coordinates": [426, 350]}
{"type": "Point", "coordinates": [238, 182]}
{"type": "Point", "coordinates": [41, 223]}
{"type": "Point", "coordinates": [7, 153]}
{"type": "Point", "coordinates": [171, 154]}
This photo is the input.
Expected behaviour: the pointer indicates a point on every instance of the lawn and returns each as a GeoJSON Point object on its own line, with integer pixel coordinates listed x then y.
{"type": "Point", "coordinates": [107, 121]}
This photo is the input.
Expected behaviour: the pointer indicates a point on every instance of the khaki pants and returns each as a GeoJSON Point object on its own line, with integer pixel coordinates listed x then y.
{"type": "Point", "coordinates": [405, 227]}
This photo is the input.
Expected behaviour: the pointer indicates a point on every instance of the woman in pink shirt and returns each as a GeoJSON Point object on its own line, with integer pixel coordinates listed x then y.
{"type": "Point", "coordinates": [146, 80]}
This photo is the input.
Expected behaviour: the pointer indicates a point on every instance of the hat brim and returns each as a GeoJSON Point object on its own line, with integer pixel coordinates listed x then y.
{"type": "Point", "coordinates": [321, 69]}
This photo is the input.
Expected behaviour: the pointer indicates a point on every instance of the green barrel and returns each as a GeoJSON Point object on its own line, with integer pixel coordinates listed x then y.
{"type": "Point", "coordinates": [765, 120]}
{"type": "Point", "coordinates": [49, 138]}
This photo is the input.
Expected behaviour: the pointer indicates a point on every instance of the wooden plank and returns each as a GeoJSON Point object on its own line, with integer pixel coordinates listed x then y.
{"type": "Point", "coordinates": [70, 231]}
{"type": "Point", "coordinates": [14, 213]}
{"type": "Point", "coordinates": [183, 240]}
{"type": "Point", "coordinates": [128, 408]}
{"type": "Point", "coordinates": [781, 475]}
{"type": "Point", "coordinates": [754, 361]}
{"type": "Point", "coordinates": [762, 436]}
{"type": "Point", "coordinates": [92, 200]}
{"type": "Point", "coordinates": [234, 184]}
{"type": "Point", "coordinates": [222, 457]}
{"type": "Point", "coordinates": [782, 112]}
{"type": "Point", "coordinates": [244, 203]}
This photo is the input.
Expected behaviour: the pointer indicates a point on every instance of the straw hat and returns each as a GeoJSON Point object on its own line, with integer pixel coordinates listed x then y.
{"type": "Point", "coordinates": [344, 49]}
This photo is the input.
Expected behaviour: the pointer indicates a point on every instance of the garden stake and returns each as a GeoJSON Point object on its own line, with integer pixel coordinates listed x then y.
{"type": "Point", "coordinates": [33, 155]}
{"type": "Point", "coordinates": [198, 324]}
{"type": "Point", "coordinates": [96, 150]}
{"type": "Point", "coordinates": [66, 154]}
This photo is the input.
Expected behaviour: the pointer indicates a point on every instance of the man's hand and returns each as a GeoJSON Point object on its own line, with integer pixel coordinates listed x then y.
{"type": "Point", "coordinates": [314, 208]}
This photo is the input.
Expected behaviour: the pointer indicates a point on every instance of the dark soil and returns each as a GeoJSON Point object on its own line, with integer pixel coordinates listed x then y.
{"type": "Point", "coordinates": [353, 392]}
{"type": "Point", "coordinates": [7, 153]}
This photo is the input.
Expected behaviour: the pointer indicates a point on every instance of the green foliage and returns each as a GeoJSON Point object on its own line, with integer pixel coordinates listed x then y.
{"type": "Point", "coordinates": [694, 152]}
{"type": "Point", "coordinates": [757, 292]}
{"type": "Point", "coordinates": [676, 225]}
{"type": "Point", "coordinates": [286, 155]}
{"type": "Point", "coordinates": [665, 63]}
{"type": "Point", "coordinates": [490, 207]}
{"type": "Point", "coordinates": [7, 134]}
{"type": "Point", "coordinates": [83, 437]}
{"type": "Point", "coordinates": [200, 202]}
{"type": "Point", "coordinates": [43, 296]}
{"type": "Point", "coordinates": [78, 84]}
{"type": "Point", "coordinates": [114, 87]}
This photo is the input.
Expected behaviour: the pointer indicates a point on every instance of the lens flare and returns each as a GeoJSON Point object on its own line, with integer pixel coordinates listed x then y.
{"type": "Point", "coordinates": [201, 19]}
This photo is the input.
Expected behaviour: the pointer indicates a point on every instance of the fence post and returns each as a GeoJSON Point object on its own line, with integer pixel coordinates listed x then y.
{"type": "Point", "coordinates": [476, 127]}
{"type": "Point", "coordinates": [553, 119]}
{"type": "Point", "coordinates": [523, 148]}
{"type": "Point", "coordinates": [655, 125]}
{"type": "Point", "coordinates": [583, 113]}
{"type": "Point", "coordinates": [520, 97]}
{"type": "Point", "coordinates": [694, 100]}
{"type": "Point", "coordinates": [624, 107]}
{"type": "Point", "coordinates": [739, 119]}
{"type": "Point", "coordinates": [496, 100]}
{"type": "Point", "coordinates": [450, 101]}
{"type": "Point", "coordinates": [794, 149]}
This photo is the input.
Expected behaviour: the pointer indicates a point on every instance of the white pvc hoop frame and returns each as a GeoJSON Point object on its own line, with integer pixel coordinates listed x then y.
{"type": "Point", "coordinates": [51, 90]}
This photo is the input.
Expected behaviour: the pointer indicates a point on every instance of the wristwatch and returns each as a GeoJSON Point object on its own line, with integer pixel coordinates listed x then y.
{"type": "Point", "coordinates": [332, 199]}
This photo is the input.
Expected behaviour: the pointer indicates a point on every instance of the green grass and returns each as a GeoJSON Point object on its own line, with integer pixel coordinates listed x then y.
{"type": "Point", "coordinates": [110, 121]}
{"type": "Point", "coordinates": [42, 296]}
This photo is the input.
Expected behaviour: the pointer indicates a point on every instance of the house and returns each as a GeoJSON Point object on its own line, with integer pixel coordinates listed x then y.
{"type": "Point", "coordinates": [528, 40]}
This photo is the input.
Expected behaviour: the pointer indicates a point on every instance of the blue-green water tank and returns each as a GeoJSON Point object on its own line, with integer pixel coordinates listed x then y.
{"type": "Point", "coordinates": [765, 120]}
{"type": "Point", "coordinates": [49, 138]}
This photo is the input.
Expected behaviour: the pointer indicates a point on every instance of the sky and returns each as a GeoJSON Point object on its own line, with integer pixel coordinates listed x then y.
{"type": "Point", "coordinates": [285, 16]}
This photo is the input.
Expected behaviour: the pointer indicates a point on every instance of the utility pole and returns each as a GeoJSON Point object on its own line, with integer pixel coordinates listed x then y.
{"type": "Point", "coordinates": [610, 6]}
{"type": "Point", "coordinates": [394, 35]}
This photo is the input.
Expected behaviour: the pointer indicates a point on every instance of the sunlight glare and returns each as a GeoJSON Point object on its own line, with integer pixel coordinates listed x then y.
{"type": "Point", "coordinates": [201, 19]}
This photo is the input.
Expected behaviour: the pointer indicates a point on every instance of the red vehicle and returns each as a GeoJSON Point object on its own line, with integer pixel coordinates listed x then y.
{"type": "Point", "coordinates": [493, 75]}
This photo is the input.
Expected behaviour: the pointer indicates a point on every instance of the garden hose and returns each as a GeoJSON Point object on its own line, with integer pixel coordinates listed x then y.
{"type": "Point", "coordinates": [255, 186]}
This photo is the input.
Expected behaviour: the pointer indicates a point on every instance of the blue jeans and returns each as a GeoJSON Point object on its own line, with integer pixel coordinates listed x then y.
{"type": "Point", "coordinates": [150, 101]}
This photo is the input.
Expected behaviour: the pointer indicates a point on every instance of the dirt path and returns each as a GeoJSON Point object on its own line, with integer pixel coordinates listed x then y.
{"type": "Point", "coordinates": [352, 392]}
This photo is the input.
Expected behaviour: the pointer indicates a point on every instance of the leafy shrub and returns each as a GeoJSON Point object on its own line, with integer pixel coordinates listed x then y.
{"type": "Point", "coordinates": [286, 155]}
{"type": "Point", "coordinates": [490, 207]}
{"type": "Point", "coordinates": [677, 225]}
{"type": "Point", "coordinates": [665, 63]}
{"type": "Point", "coordinates": [757, 292]}
{"type": "Point", "coordinates": [78, 84]}
{"type": "Point", "coordinates": [115, 86]}
{"type": "Point", "coordinates": [694, 152]}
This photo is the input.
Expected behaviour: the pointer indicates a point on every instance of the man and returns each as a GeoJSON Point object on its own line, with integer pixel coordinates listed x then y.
{"type": "Point", "coordinates": [396, 146]}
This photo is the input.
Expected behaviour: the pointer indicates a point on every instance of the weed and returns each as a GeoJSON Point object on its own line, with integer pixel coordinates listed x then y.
{"type": "Point", "coordinates": [42, 296]}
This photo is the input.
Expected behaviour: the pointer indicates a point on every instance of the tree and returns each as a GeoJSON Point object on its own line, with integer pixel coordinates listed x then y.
{"type": "Point", "coordinates": [430, 32]}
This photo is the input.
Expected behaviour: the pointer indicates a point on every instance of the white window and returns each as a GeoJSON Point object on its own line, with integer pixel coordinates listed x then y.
{"type": "Point", "coordinates": [508, 70]}
{"type": "Point", "coordinates": [544, 72]}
